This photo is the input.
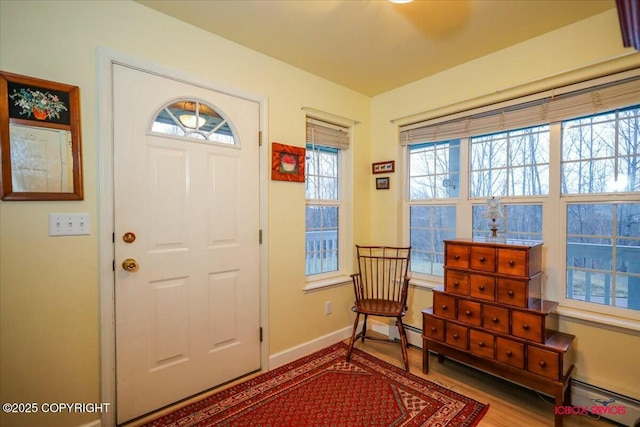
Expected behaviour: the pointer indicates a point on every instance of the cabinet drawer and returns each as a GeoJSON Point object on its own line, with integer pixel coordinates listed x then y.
{"type": "Point", "coordinates": [512, 292]}
{"type": "Point", "coordinates": [495, 318]}
{"type": "Point", "coordinates": [481, 343]}
{"type": "Point", "coordinates": [513, 262]}
{"type": "Point", "coordinates": [456, 283]}
{"type": "Point", "coordinates": [526, 325]}
{"type": "Point", "coordinates": [433, 327]}
{"type": "Point", "coordinates": [510, 352]}
{"type": "Point", "coordinates": [482, 258]}
{"type": "Point", "coordinates": [469, 312]}
{"type": "Point", "coordinates": [444, 305]}
{"type": "Point", "coordinates": [457, 336]}
{"type": "Point", "coordinates": [482, 287]}
{"type": "Point", "coordinates": [543, 362]}
{"type": "Point", "coordinates": [457, 256]}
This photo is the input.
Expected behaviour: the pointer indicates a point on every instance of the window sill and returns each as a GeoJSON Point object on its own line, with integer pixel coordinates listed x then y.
{"type": "Point", "coordinates": [425, 284]}
{"type": "Point", "coordinates": [601, 320]}
{"type": "Point", "coordinates": [327, 283]}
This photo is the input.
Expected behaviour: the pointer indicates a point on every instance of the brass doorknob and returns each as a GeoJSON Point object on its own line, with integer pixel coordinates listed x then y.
{"type": "Point", "coordinates": [130, 264]}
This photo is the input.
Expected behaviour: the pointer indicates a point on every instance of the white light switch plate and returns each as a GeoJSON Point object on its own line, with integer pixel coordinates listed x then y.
{"type": "Point", "coordinates": [69, 224]}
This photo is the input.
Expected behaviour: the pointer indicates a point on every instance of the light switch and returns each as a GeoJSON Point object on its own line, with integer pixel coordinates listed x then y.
{"type": "Point", "coordinates": [69, 224]}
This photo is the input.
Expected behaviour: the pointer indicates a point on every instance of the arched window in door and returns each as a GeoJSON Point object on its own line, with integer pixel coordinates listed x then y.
{"type": "Point", "coordinates": [193, 119]}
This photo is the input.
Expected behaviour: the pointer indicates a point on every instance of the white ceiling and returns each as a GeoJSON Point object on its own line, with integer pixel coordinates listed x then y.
{"type": "Point", "coordinates": [373, 46]}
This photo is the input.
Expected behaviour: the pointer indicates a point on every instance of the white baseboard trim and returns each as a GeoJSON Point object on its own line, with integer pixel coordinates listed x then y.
{"type": "Point", "coordinates": [309, 347]}
{"type": "Point", "coordinates": [380, 327]}
{"type": "Point", "coordinates": [389, 329]}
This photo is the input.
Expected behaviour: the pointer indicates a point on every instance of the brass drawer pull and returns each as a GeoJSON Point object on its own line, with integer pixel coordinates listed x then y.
{"type": "Point", "coordinates": [480, 344]}
{"type": "Point", "coordinates": [456, 336]}
{"type": "Point", "coordinates": [468, 313]}
{"type": "Point", "coordinates": [509, 353]}
{"type": "Point", "coordinates": [495, 320]}
{"type": "Point", "coordinates": [525, 327]}
{"type": "Point", "coordinates": [456, 284]}
{"type": "Point", "coordinates": [510, 293]}
{"type": "Point", "coordinates": [542, 364]}
{"type": "Point", "coordinates": [444, 307]}
{"type": "Point", "coordinates": [512, 262]}
{"type": "Point", "coordinates": [433, 329]}
{"type": "Point", "coordinates": [456, 257]}
{"type": "Point", "coordinates": [481, 287]}
{"type": "Point", "coordinates": [481, 259]}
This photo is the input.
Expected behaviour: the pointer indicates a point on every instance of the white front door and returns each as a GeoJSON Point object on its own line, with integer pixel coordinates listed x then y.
{"type": "Point", "coordinates": [187, 316]}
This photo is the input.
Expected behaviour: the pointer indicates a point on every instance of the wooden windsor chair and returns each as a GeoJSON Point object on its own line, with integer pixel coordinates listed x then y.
{"type": "Point", "coordinates": [381, 287]}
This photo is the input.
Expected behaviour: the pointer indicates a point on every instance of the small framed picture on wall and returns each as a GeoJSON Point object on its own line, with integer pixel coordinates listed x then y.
{"type": "Point", "coordinates": [383, 167]}
{"type": "Point", "coordinates": [382, 183]}
{"type": "Point", "coordinates": [287, 163]}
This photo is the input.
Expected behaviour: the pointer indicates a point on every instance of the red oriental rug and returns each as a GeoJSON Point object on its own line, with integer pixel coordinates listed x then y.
{"type": "Point", "coordinates": [323, 390]}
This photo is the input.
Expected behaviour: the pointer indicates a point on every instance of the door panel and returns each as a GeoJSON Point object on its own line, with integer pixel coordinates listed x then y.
{"type": "Point", "coordinates": [188, 318]}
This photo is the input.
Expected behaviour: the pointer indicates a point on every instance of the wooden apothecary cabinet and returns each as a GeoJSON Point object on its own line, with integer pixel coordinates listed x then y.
{"type": "Point", "coordinates": [490, 314]}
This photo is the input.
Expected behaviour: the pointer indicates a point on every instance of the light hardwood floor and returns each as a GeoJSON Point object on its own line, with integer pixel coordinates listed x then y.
{"type": "Point", "coordinates": [510, 405]}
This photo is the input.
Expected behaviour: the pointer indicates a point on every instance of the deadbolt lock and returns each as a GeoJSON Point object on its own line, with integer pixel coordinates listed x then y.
{"type": "Point", "coordinates": [129, 237]}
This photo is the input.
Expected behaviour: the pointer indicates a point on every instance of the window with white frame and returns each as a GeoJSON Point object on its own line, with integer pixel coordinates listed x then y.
{"type": "Point", "coordinates": [512, 163]}
{"type": "Point", "coordinates": [507, 165]}
{"type": "Point", "coordinates": [601, 157]}
{"type": "Point", "coordinates": [324, 215]}
{"type": "Point", "coordinates": [603, 253]}
{"type": "Point", "coordinates": [434, 170]}
{"type": "Point", "coordinates": [429, 226]}
{"type": "Point", "coordinates": [572, 154]}
{"type": "Point", "coordinates": [434, 175]}
{"type": "Point", "coordinates": [600, 153]}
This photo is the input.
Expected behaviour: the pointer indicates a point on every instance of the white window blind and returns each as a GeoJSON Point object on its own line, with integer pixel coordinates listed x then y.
{"type": "Point", "coordinates": [571, 101]}
{"type": "Point", "coordinates": [327, 134]}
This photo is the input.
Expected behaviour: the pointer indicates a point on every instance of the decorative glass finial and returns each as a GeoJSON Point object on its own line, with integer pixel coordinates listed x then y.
{"type": "Point", "coordinates": [493, 213]}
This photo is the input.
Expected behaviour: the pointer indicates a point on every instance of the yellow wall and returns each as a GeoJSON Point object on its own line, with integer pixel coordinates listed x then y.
{"type": "Point", "coordinates": [603, 354]}
{"type": "Point", "coordinates": [50, 322]}
{"type": "Point", "coordinates": [49, 287]}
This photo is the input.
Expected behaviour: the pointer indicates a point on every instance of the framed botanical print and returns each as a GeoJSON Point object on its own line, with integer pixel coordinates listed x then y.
{"type": "Point", "coordinates": [40, 149]}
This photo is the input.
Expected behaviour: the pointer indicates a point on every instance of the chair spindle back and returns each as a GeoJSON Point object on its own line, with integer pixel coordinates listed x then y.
{"type": "Point", "coordinates": [382, 273]}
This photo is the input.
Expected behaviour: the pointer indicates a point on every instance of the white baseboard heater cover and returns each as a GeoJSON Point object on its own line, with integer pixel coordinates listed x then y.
{"type": "Point", "coordinates": [414, 335]}
{"type": "Point", "coordinates": [607, 404]}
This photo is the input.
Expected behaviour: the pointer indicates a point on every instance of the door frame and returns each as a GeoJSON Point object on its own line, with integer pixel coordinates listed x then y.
{"type": "Point", "coordinates": [106, 58]}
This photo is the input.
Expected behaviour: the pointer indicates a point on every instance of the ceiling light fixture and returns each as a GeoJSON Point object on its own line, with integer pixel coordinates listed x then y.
{"type": "Point", "coordinates": [191, 121]}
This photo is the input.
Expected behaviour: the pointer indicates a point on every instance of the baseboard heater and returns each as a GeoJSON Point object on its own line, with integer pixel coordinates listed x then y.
{"type": "Point", "coordinates": [414, 334]}
{"type": "Point", "coordinates": [607, 404]}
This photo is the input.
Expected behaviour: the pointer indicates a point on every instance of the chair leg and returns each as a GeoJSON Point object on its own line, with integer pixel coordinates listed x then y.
{"type": "Point", "coordinates": [353, 336]}
{"type": "Point", "coordinates": [405, 336]}
{"type": "Point", "coordinates": [364, 328]}
{"type": "Point", "coordinates": [403, 339]}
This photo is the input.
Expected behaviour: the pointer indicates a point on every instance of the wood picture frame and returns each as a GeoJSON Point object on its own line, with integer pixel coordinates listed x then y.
{"type": "Point", "coordinates": [383, 183]}
{"type": "Point", "coordinates": [287, 163]}
{"type": "Point", "coordinates": [383, 167]}
{"type": "Point", "coordinates": [40, 148]}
